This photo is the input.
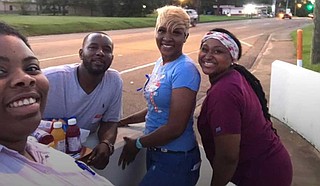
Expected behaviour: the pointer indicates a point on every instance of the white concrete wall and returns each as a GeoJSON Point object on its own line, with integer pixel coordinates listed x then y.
{"type": "Point", "coordinates": [133, 174]}
{"type": "Point", "coordinates": [295, 99]}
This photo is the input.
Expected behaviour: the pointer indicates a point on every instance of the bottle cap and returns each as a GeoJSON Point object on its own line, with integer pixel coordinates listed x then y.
{"type": "Point", "coordinates": [72, 121]}
{"type": "Point", "coordinates": [57, 124]}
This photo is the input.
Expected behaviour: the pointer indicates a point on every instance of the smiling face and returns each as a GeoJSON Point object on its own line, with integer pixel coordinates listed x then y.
{"type": "Point", "coordinates": [214, 58]}
{"type": "Point", "coordinates": [170, 42]}
{"type": "Point", "coordinates": [97, 53]}
{"type": "Point", "coordinates": [171, 31]}
{"type": "Point", "coordinates": [23, 90]}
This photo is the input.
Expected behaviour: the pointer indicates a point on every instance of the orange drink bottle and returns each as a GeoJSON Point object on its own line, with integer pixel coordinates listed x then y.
{"type": "Point", "coordinates": [59, 136]}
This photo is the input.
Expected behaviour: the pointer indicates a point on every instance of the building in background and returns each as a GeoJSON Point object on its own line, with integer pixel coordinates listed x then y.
{"type": "Point", "coordinates": [18, 7]}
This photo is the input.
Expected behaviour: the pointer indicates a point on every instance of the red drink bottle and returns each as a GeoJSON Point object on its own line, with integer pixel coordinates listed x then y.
{"type": "Point", "coordinates": [73, 137]}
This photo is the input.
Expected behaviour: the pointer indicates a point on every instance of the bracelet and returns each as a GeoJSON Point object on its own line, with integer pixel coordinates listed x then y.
{"type": "Point", "coordinates": [110, 146]}
{"type": "Point", "coordinates": [138, 144]}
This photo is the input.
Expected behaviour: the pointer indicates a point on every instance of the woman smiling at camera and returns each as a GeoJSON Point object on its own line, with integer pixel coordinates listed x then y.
{"type": "Point", "coordinates": [23, 94]}
{"type": "Point", "coordinates": [235, 126]}
{"type": "Point", "coordinates": [173, 156]}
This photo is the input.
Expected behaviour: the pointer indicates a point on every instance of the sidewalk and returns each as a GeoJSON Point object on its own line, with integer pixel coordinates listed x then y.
{"type": "Point", "coordinates": [305, 158]}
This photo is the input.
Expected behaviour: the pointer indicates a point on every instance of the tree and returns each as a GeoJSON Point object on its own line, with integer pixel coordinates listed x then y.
{"type": "Point", "coordinates": [39, 4]}
{"type": "Point", "coordinates": [315, 50]}
{"type": "Point", "coordinates": [24, 6]}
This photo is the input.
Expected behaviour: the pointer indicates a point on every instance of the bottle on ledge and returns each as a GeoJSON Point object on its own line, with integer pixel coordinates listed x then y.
{"type": "Point", "coordinates": [73, 137]}
{"type": "Point", "coordinates": [43, 136]}
{"type": "Point", "coordinates": [59, 137]}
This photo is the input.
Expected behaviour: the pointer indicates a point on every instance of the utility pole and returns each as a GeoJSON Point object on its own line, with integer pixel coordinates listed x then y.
{"type": "Point", "coordinates": [287, 5]}
{"type": "Point", "coordinates": [276, 7]}
{"type": "Point", "coordinates": [295, 7]}
{"type": "Point", "coordinates": [315, 50]}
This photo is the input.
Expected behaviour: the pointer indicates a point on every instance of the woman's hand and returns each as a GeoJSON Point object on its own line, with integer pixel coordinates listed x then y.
{"type": "Point", "coordinates": [129, 152]}
{"type": "Point", "coordinates": [137, 117]}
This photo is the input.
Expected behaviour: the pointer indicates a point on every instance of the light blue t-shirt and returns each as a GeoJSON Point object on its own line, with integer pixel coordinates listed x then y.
{"type": "Point", "coordinates": [67, 99]}
{"type": "Point", "coordinates": [181, 73]}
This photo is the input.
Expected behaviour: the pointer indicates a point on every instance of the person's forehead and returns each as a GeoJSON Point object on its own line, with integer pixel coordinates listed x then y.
{"type": "Point", "coordinates": [14, 46]}
{"type": "Point", "coordinates": [96, 37]}
{"type": "Point", "coordinates": [213, 42]}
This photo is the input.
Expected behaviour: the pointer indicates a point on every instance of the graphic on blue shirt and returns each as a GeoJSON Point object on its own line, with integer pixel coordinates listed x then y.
{"type": "Point", "coordinates": [152, 85]}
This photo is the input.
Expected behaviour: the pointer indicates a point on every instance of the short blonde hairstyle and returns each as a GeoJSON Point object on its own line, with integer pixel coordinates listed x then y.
{"type": "Point", "coordinates": [173, 17]}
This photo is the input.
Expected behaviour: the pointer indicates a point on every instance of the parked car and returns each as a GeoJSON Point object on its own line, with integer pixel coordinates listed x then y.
{"type": "Point", "coordinates": [265, 15]}
{"type": "Point", "coordinates": [194, 18]}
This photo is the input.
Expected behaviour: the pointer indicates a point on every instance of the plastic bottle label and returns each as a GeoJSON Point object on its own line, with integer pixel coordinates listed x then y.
{"type": "Point", "coordinates": [61, 145]}
{"type": "Point", "coordinates": [45, 125]}
{"type": "Point", "coordinates": [74, 144]}
{"type": "Point", "coordinates": [42, 136]}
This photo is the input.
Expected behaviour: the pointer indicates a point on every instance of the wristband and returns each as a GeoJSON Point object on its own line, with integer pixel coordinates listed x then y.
{"type": "Point", "coordinates": [110, 146]}
{"type": "Point", "coordinates": [138, 144]}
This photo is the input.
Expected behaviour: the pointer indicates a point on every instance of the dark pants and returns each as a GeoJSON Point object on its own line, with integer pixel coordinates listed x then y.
{"type": "Point", "coordinates": [172, 169]}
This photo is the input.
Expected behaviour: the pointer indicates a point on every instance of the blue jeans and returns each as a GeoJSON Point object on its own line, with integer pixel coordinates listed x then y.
{"type": "Point", "coordinates": [172, 169]}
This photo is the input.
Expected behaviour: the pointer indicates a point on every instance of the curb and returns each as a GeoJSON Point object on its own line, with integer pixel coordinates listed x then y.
{"type": "Point", "coordinates": [260, 55]}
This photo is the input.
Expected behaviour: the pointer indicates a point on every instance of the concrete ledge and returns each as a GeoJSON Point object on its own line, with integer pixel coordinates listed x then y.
{"type": "Point", "coordinates": [295, 99]}
{"type": "Point", "coordinates": [133, 174]}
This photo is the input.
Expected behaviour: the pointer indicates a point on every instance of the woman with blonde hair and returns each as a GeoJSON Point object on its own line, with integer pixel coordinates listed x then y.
{"type": "Point", "coordinates": [173, 156]}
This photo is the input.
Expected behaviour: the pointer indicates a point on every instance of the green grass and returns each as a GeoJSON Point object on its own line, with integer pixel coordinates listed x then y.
{"type": "Point", "coordinates": [45, 25]}
{"type": "Point", "coordinates": [306, 47]}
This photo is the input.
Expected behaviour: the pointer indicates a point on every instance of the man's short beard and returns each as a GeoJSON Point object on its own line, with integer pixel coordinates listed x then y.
{"type": "Point", "coordinates": [94, 72]}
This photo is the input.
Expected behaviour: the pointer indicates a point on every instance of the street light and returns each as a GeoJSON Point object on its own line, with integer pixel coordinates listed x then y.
{"type": "Point", "coordinates": [181, 1]}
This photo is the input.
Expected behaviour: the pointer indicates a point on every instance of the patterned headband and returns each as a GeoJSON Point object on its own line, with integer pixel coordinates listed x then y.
{"type": "Point", "coordinates": [226, 40]}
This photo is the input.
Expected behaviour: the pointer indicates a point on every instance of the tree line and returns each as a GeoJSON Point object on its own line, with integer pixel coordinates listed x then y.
{"type": "Point", "coordinates": [130, 8]}
{"type": "Point", "coordinates": [140, 8]}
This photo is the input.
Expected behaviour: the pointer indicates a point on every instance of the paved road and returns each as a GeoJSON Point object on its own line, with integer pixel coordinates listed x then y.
{"type": "Point", "coordinates": [135, 50]}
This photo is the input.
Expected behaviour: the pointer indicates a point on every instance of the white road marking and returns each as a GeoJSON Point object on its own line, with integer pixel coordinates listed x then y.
{"type": "Point", "coordinates": [246, 43]}
{"type": "Point", "coordinates": [59, 57]}
{"type": "Point", "coordinates": [36, 38]}
{"type": "Point", "coordinates": [253, 36]}
{"type": "Point", "coordinates": [242, 27]}
{"type": "Point", "coordinates": [137, 68]}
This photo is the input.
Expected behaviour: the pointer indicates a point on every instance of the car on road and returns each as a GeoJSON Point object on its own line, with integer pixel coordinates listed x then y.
{"type": "Point", "coordinates": [285, 15]}
{"type": "Point", "coordinates": [311, 16]}
{"type": "Point", "coordinates": [194, 17]}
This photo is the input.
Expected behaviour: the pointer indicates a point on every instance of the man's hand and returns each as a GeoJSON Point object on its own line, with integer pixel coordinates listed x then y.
{"type": "Point", "coordinates": [107, 133]}
{"type": "Point", "coordinates": [121, 123]}
{"type": "Point", "coordinates": [129, 152]}
{"type": "Point", "coordinates": [99, 157]}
